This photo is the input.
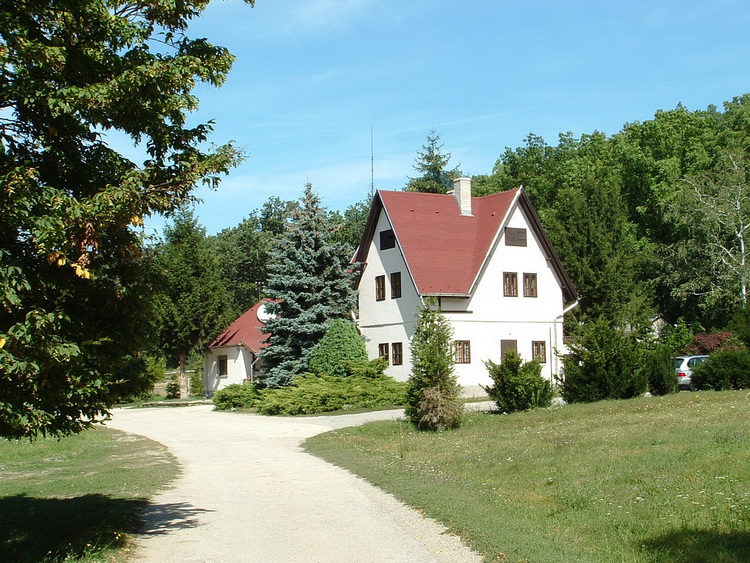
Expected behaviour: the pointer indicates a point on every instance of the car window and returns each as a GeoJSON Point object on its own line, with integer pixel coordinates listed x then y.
{"type": "Point", "coordinates": [678, 363]}
{"type": "Point", "coordinates": [695, 361]}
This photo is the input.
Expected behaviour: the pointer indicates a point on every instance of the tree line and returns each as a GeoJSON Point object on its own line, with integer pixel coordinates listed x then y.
{"type": "Point", "coordinates": [651, 220]}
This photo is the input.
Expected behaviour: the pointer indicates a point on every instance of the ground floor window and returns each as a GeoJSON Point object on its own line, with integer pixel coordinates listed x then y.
{"type": "Point", "coordinates": [383, 351]}
{"type": "Point", "coordinates": [508, 346]}
{"type": "Point", "coordinates": [397, 350]}
{"type": "Point", "coordinates": [462, 352]}
{"type": "Point", "coordinates": [221, 364]}
{"type": "Point", "coordinates": [539, 350]}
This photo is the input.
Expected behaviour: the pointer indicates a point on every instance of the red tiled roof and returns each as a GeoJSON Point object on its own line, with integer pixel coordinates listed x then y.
{"type": "Point", "coordinates": [444, 250]}
{"type": "Point", "coordinates": [246, 330]}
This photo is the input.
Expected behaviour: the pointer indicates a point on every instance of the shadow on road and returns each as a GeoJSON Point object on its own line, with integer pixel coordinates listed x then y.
{"type": "Point", "coordinates": [162, 518]}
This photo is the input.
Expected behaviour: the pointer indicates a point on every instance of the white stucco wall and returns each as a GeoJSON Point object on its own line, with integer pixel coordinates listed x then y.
{"type": "Point", "coordinates": [495, 317]}
{"type": "Point", "coordinates": [381, 321]}
{"type": "Point", "coordinates": [239, 360]}
{"type": "Point", "coordinates": [486, 318]}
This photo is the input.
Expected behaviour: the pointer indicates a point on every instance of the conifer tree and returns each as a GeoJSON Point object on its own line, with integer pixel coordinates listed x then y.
{"type": "Point", "coordinates": [432, 163]}
{"type": "Point", "coordinates": [310, 279]}
{"type": "Point", "coordinates": [192, 305]}
{"type": "Point", "coordinates": [341, 346]}
{"type": "Point", "coordinates": [433, 396]}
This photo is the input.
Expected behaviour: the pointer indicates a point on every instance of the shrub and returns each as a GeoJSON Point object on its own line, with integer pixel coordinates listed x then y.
{"type": "Point", "coordinates": [658, 369]}
{"type": "Point", "coordinates": [341, 345]}
{"type": "Point", "coordinates": [313, 393]}
{"type": "Point", "coordinates": [603, 364]}
{"type": "Point", "coordinates": [727, 369]}
{"type": "Point", "coordinates": [433, 383]}
{"type": "Point", "coordinates": [235, 396]}
{"type": "Point", "coordinates": [518, 386]}
{"type": "Point", "coordinates": [708, 343]}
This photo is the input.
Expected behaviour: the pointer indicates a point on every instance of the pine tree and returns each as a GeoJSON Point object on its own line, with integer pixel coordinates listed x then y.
{"type": "Point", "coordinates": [433, 397]}
{"type": "Point", "coordinates": [193, 304]}
{"type": "Point", "coordinates": [311, 280]}
{"type": "Point", "coordinates": [432, 164]}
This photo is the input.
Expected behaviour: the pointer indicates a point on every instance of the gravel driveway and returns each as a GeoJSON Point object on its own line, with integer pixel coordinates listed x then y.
{"type": "Point", "coordinates": [248, 493]}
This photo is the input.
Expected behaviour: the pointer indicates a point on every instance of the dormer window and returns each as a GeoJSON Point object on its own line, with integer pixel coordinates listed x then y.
{"type": "Point", "coordinates": [387, 239]}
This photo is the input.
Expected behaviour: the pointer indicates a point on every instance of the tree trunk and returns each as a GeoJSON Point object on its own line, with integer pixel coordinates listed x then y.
{"type": "Point", "coordinates": [184, 381]}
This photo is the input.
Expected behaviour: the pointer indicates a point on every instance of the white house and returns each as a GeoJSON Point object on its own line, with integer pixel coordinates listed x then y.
{"type": "Point", "coordinates": [486, 259]}
{"type": "Point", "coordinates": [233, 356]}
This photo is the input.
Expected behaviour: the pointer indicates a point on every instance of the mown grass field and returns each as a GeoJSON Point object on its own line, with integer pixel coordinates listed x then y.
{"type": "Point", "coordinates": [77, 499]}
{"type": "Point", "coordinates": [657, 479]}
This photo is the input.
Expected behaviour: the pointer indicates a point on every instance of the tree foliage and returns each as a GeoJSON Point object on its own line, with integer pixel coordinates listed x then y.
{"type": "Point", "coordinates": [193, 305]}
{"type": "Point", "coordinates": [341, 346]}
{"type": "Point", "coordinates": [650, 219]}
{"type": "Point", "coordinates": [433, 398]}
{"type": "Point", "coordinates": [311, 280]}
{"type": "Point", "coordinates": [604, 363]}
{"type": "Point", "coordinates": [432, 163]}
{"type": "Point", "coordinates": [73, 297]}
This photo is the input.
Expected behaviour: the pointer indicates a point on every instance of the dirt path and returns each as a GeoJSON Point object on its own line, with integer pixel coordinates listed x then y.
{"type": "Point", "coordinates": [248, 493]}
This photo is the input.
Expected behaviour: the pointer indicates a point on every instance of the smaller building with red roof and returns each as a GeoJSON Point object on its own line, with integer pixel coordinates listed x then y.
{"type": "Point", "coordinates": [488, 262]}
{"type": "Point", "coordinates": [233, 356]}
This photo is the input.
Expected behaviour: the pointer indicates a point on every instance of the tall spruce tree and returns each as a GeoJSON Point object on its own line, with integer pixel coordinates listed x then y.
{"type": "Point", "coordinates": [310, 279]}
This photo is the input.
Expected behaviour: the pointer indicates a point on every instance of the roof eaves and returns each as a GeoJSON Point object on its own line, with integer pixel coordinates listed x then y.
{"type": "Point", "coordinates": [569, 292]}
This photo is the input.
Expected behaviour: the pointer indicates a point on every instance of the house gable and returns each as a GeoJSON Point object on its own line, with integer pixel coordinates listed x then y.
{"type": "Point", "coordinates": [445, 250]}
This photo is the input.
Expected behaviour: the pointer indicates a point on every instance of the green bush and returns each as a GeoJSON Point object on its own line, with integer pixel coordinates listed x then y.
{"type": "Point", "coordinates": [728, 369]}
{"type": "Point", "coordinates": [235, 396]}
{"type": "Point", "coordinates": [658, 369]}
{"type": "Point", "coordinates": [518, 386]}
{"type": "Point", "coordinates": [341, 345]}
{"type": "Point", "coordinates": [604, 363]}
{"type": "Point", "coordinates": [312, 393]}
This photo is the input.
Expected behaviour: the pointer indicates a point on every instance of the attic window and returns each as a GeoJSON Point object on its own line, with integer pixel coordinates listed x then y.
{"type": "Point", "coordinates": [515, 237]}
{"type": "Point", "coordinates": [387, 239]}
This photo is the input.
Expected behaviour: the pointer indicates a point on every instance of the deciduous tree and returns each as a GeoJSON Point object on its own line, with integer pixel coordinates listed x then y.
{"type": "Point", "coordinates": [72, 297]}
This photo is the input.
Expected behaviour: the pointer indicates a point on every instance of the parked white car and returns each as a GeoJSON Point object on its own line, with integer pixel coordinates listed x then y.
{"type": "Point", "coordinates": [683, 368]}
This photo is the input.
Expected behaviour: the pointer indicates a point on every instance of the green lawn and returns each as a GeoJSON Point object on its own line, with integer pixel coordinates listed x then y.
{"type": "Point", "coordinates": [660, 479]}
{"type": "Point", "coordinates": [77, 499]}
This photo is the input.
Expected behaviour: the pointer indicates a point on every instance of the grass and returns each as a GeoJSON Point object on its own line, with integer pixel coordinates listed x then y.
{"type": "Point", "coordinates": [658, 479]}
{"type": "Point", "coordinates": [79, 498]}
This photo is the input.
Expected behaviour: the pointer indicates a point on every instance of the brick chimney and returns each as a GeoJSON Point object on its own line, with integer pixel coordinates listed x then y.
{"type": "Point", "coordinates": [462, 193]}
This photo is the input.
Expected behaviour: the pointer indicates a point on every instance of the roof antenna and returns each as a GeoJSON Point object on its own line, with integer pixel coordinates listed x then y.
{"type": "Point", "coordinates": [372, 164]}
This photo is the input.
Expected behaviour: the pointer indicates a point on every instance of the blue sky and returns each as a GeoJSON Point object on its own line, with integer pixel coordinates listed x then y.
{"type": "Point", "coordinates": [312, 77]}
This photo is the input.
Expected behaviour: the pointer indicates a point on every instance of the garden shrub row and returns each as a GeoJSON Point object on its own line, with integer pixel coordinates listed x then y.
{"type": "Point", "coordinates": [313, 393]}
{"type": "Point", "coordinates": [726, 369]}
